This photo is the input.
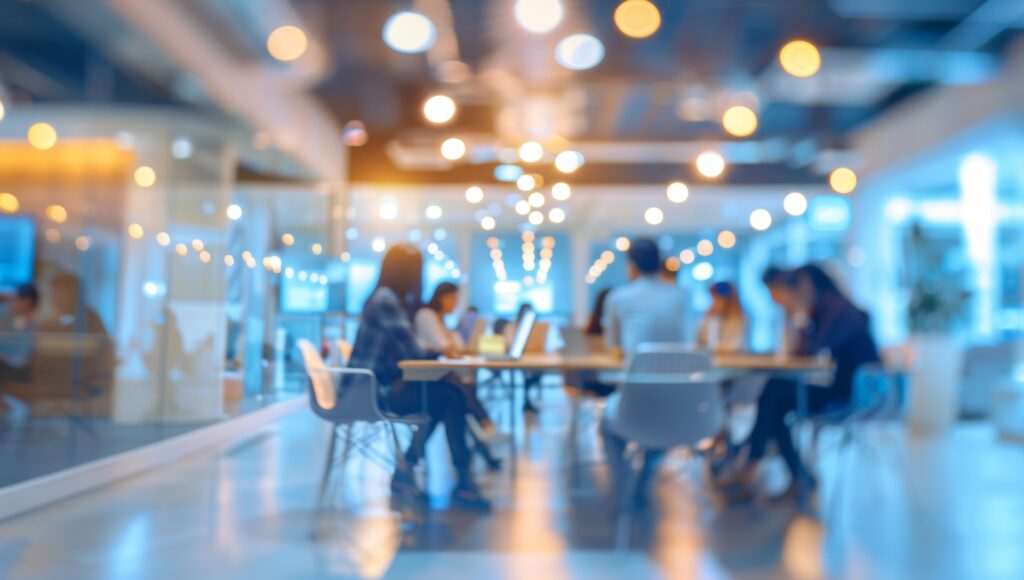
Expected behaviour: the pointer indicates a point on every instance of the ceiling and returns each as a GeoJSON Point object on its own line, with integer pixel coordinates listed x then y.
{"type": "Point", "coordinates": [876, 53]}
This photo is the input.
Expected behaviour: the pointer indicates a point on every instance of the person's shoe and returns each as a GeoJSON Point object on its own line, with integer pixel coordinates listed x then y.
{"type": "Point", "coordinates": [467, 497]}
{"type": "Point", "coordinates": [403, 484]}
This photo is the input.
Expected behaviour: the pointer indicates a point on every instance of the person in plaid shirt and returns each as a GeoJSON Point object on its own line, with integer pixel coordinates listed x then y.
{"type": "Point", "coordinates": [385, 338]}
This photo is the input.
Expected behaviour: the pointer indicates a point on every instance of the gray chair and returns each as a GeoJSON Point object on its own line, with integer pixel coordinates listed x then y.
{"type": "Point", "coordinates": [667, 401]}
{"type": "Point", "coordinates": [348, 399]}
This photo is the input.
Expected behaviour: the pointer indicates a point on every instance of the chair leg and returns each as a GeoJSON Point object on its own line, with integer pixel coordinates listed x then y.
{"type": "Point", "coordinates": [346, 450]}
{"type": "Point", "coordinates": [324, 481]}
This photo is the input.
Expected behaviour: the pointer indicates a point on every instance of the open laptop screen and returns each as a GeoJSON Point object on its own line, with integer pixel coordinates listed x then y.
{"type": "Point", "coordinates": [522, 334]}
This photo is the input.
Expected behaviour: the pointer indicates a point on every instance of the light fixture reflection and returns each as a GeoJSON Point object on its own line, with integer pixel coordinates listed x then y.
{"type": "Point", "coordinates": [439, 109]}
{"type": "Point", "coordinates": [739, 121]}
{"type": "Point", "coordinates": [800, 58]}
{"type": "Point", "coordinates": [710, 164]}
{"type": "Point", "coordinates": [579, 52]}
{"type": "Point", "coordinates": [474, 194]}
{"type": "Point", "coordinates": [794, 203]}
{"type": "Point", "coordinates": [637, 18]}
{"type": "Point", "coordinates": [569, 161]}
{"type": "Point", "coordinates": [453, 149]}
{"type": "Point", "coordinates": [760, 219]}
{"type": "Point", "coordinates": [677, 192]}
{"type": "Point", "coordinates": [561, 192]}
{"type": "Point", "coordinates": [531, 152]}
{"type": "Point", "coordinates": [843, 180]}
{"type": "Point", "coordinates": [538, 16]}
{"type": "Point", "coordinates": [409, 32]}
{"type": "Point", "coordinates": [654, 216]}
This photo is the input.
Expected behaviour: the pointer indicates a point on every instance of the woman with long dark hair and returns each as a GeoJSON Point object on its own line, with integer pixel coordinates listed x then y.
{"type": "Point", "coordinates": [724, 327]}
{"type": "Point", "coordinates": [835, 325]}
{"type": "Point", "coordinates": [385, 338]}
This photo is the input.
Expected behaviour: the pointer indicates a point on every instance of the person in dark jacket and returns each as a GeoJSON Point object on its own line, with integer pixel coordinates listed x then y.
{"type": "Point", "coordinates": [834, 326]}
{"type": "Point", "coordinates": [386, 338]}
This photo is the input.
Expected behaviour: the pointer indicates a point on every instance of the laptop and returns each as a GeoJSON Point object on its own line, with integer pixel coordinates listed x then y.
{"type": "Point", "coordinates": [519, 340]}
{"type": "Point", "coordinates": [479, 328]}
{"type": "Point", "coordinates": [576, 343]}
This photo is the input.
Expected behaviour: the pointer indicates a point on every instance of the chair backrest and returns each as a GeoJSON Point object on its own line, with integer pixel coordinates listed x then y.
{"type": "Point", "coordinates": [665, 401]}
{"type": "Point", "coordinates": [324, 393]}
{"type": "Point", "coordinates": [344, 350]}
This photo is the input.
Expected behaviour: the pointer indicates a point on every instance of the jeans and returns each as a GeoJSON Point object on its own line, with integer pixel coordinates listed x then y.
{"type": "Point", "coordinates": [778, 398]}
{"type": "Point", "coordinates": [446, 404]}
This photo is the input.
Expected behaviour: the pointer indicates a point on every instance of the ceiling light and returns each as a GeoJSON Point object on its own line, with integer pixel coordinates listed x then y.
{"type": "Point", "coordinates": [579, 52]}
{"type": "Point", "coordinates": [536, 199]}
{"type": "Point", "coordinates": [703, 272]}
{"type": "Point", "coordinates": [800, 58]}
{"type": "Point", "coordinates": [234, 212]}
{"type": "Point", "coordinates": [453, 149]}
{"type": "Point", "coordinates": [760, 219]}
{"type": "Point", "coordinates": [726, 239]}
{"type": "Point", "coordinates": [739, 121]}
{"type": "Point", "coordinates": [531, 152]}
{"type": "Point", "coordinates": [538, 16]}
{"type": "Point", "coordinates": [434, 212]}
{"type": "Point", "coordinates": [56, 214]}
{"type": "Point", "coordinates": [687, 256]}
{"type": "Point", "coordinates": [378, 244]}
{"type": "Point", "coordinates": [710, 164]}
{"type": "Point", "coordinates": [526, 182]}
{"type": "Point", "coordinates": [42, 136]}
{"type": "Point", "coordinates": [523, 207]}
{"type": "Point", "coordinates": [9, 202]}
{"type": "Point", "coordinates": [536, 218]}
{"type": "Point", "coordinates": [569, 161]}
{"type": "Point", "coordinates": [637, 18]}
{"type": "Point", "coordinates": [677, 192]}
{"type": "Point", "coordinates": [654, 216]}
{"type": "Point", "coordinates": [556, 215]}
{"type": "Point", "coordinates": [439, 109]}
{"type": "Point", "coordinates": [843, 180]}
{"type": "Point", "coordinates": [287, 239]}
{"type": "Point", "coordinates": [561, 191]}
{"type": "Point", "coordinates": [488, 223]}
{"type": "Point", "coordinates": [388, 211]}
{"type": "Point", "coordinates": [794, 203]}
{"type": "Point", "coordinates": [474, 194]}
{"type": "Point", "coordinates": [287, 43]}
{"type": "Point", "coordinates": [705, 247]}
{"type": "Point", "coordinates": [409, 32]}
{"type": "Point", "coordinates": [622, 244]}
{"type": "Point", "coordinates": [2, 111]}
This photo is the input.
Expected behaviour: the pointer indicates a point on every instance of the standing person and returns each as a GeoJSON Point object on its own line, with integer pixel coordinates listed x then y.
{"type": "Point", "coordinates": [433, 335]}
{"type": "Point", "coordinates": [384, 339]}
{"type": "Point", "coordinates": [648, 309]}
{"type": "Point", "coordinates": [724, 327]}
{"type": "Point", "coordinates": [834, 325]}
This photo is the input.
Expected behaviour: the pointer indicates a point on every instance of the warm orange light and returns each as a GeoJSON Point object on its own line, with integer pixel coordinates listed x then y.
{"type": "Point", "coordinates": [145, 176]}
{"type": "Point", "coordinates": [287, 239]}
{"type": "Point", "coordinates": [672, 264]}
{"type": "Point", "coordinates": [9, 203]}
{"type": "Point", "coordinates": [637, 18]}
{"type": "Point", "coordinates": [622, 244]}
{"type": "Point", "coordinates": [843, 180]}
{"type": "Point", "coordinates": [705, 247]}
{"type": "Point", "coordinates": [135, 231]}
{"type": "Point", "coordinates": [42, 136]}
{"type": "Point", "coordinates": [687, 256]}
{"type": "Point", "coordinates": [739, 121]}
{"type": "Point", "coordinates": [800, 58]}
{"type": "Point", "coordinates": [287, 43]}
{"type": "Point", "coordinates": [56, 214]}
{"type": "Point", "coordinates": [726, 239]}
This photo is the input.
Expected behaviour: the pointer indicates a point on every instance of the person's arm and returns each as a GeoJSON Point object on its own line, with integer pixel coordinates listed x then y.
{"type": "Point", "coordinates": [430, 331]}
{"type": "Point", "coordinates": [835, 328]}
{"type": "Point", "coordinates": [395, 323]}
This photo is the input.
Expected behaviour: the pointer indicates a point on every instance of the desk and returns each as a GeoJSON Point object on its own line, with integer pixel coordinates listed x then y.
{"type": "Point", "coordinates": [725, 366]}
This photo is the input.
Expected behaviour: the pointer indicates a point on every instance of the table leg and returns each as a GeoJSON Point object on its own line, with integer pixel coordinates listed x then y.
{"type": "Point", "coordinates": [510, 385]}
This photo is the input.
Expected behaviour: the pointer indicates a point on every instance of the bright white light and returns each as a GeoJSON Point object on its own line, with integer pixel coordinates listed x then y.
{"type": "Point", "coordinates": [561, 191]}
{"type": "Point", "coordinates": [710, 164]}
{"type": "Point", "coordinates": [654, 216]}
{"type": "Point", "coordinates": [453, 149]}
{"type": "Point", "coordinates": [760, 219]}
{"type": "Point", "coordinates": [795, 203]}
{"type": "Point", "coordinates": [569, 161]}
{"type": "Point", "coordinates": [488, 223]}
{"type": "Point", "coordinates": [388, 211]}
{"type": "Point", "coordinates": [677, 192]}
{"type": "Point", "coordinates": [538, 16]}
{"type": "Point", "coordinates": [181, 148]}
{"type": "Point", "coordinates": [536, 218]}
{"type": "Point", "coordinates": [409, 32]}
{"type": "Point", "coordinates": [703, 272]}
{"type": "Point", "coordinates": [151, 289]}
{"type": "Point", "coordinates": [379, 244]}
{"type": "Point", "coordinates": [474, 194]}
{"type": "Point", "coordinates": [433, 212]}
{"type": "Point", "coordinates": [523, 207]}
{"type": "Point", "coordinates": [531, 151]}
{"type": "Point", "coordinates": [432, 248]}
{"type": "Point", "coordinates": [439, 109]}
{"type": "Point", "coordinates": [556, 215]}
{"type": "Point", "coordinates": [536, 199]}
{"type": "Point", "coordinates": [234, 212]}
{"type": "Point", "coordinates": [579, 52]}
{"type": "Point", "coordinates": [526, 183]}
{"type": "Point", "coordinates": [898, 209]}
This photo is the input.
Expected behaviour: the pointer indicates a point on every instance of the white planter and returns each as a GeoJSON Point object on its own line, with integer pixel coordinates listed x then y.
{"type": "Point", "coordinates": [934, 384]}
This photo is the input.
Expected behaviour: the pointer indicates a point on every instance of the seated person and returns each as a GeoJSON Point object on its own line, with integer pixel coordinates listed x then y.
{"type": "Point", "coordinates": [434, 336]}
{"type": "Point", "coordinates": [834, 325]}
{"type": "Point", "coordinates": [591, 381]}
{"type": "Point", "coordinates": [384, 339]}
{"type": "Point", "coordinates": [648, 309]}
{"type": "Point", "coordinates": [724, 327]}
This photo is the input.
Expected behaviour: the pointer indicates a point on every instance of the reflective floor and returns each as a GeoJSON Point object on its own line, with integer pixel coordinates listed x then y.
{"type": "Point", "coordinates": [890, 508]}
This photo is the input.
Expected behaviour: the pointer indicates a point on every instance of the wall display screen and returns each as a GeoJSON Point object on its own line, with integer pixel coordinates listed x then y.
{"type": "Point", "coordinates": [17, 251]}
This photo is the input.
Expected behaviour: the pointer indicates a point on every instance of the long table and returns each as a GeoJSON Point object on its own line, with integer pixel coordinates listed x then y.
{"type": "Point", "coordinates": [725, 366]}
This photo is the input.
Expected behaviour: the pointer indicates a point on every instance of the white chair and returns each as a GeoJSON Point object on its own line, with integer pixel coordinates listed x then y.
{"type": "Point", "coordinates": [666, 402]}
{"type": "Point", "coordinates": [347, 398]}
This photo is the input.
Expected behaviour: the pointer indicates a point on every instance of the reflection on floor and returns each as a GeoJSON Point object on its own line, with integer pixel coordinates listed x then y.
{"type": "Point", "coordinates": [36, 446]}
{"type": "Point", "coordinates": [927, 509]}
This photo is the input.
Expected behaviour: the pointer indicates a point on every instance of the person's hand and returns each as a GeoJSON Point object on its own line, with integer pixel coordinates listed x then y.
{"type": "Point", "coordinates": [451, 352]}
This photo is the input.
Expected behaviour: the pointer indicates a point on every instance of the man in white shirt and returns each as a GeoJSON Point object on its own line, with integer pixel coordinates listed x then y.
{"type": "Point", "coordinates": [648, 309]}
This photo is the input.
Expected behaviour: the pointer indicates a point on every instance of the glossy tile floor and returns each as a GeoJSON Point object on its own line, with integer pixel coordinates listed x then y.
{"type": "Point", "coordinates": [890, 508]}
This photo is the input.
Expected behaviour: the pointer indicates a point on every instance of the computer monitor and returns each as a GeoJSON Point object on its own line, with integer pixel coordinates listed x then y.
{"type": "Point", "coordinates": [17, 251]}
{"type": "Point", "coordinates": [522, 334]}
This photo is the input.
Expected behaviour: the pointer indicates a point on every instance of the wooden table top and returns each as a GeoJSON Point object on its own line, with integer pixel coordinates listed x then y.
{"type": "Point", "coordinates": [558, 362]}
